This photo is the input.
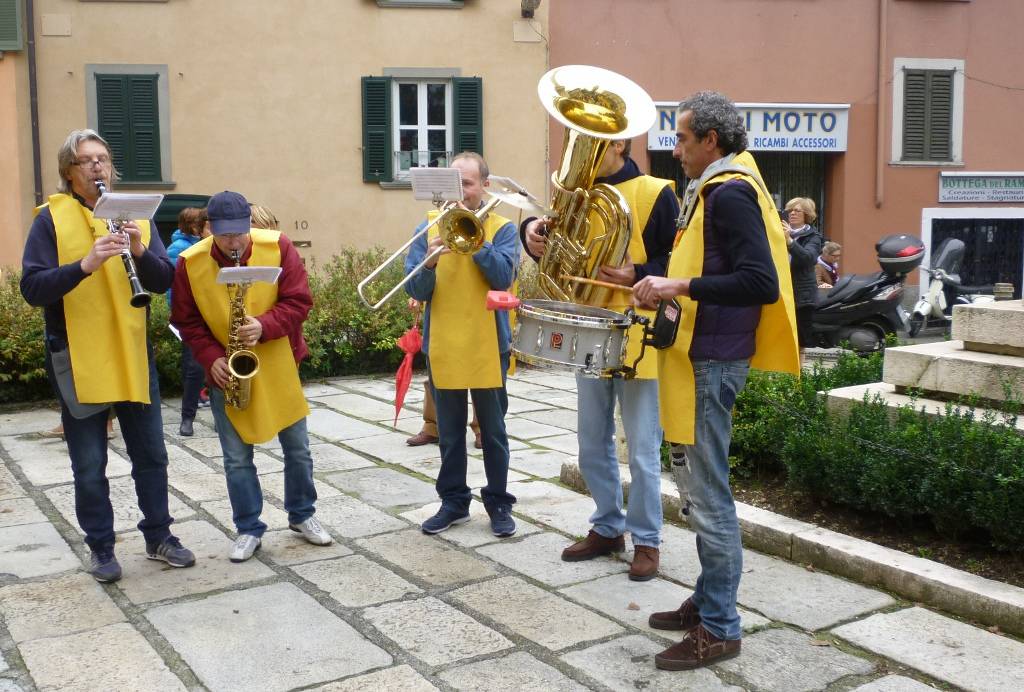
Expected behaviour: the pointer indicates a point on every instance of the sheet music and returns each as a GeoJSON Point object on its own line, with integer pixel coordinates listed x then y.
{"type": "Point", "coordinates": [237, 275]}
{"type": "Point", "coordinates": [436, 184]}
{"type": "Point", "coordinates": [127, 205]}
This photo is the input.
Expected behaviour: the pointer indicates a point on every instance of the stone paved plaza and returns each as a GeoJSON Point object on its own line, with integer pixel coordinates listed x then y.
{"type": "Point", "coordinates": [388, 608]}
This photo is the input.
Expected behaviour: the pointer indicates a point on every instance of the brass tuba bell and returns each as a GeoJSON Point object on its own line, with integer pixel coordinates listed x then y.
{"type": "Point", "coordinates": [596, 106]}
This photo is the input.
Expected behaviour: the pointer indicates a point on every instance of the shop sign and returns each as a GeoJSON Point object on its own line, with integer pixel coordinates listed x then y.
{"type": "Point", "coordinates": [770, 126]}
{"type": "Point", "coordinates": [973, 186]}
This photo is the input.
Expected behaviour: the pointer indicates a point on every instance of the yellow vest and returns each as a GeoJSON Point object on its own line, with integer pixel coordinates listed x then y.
{"type": "Point", "coordinates": [641, 193]}
{"type": "Point", "coordinates": [775, 340]}
{"type": "Point", "coordinates": [463, 333]}
{"type": "Point", "coordinates": [277, 400]}
{"type": "Point", "coordinates": [106, 335]}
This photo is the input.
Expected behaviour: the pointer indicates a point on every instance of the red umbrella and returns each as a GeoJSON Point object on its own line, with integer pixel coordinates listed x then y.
{"type": "Point", "coordinates": [410, 342]}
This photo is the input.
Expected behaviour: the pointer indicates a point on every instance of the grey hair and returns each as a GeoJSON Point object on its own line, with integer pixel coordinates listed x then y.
{"type": "Point", "coordinates": [67, 156]}
{"type": "Point", "coordinates": [714, 111]}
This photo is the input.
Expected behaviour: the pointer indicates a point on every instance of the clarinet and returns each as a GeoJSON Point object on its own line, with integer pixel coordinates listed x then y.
{"type": "Point", "coordinates": [140, 298]}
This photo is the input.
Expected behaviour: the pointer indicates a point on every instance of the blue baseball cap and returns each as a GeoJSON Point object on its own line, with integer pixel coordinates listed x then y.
{"type": "Point", "coordinates": [228, 212]}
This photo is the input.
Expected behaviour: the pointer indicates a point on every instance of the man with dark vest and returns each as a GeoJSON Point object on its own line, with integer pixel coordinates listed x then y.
{"type": "Point", "coordinates": [97, 353]}
{"type": "Point", "coordinates": [468, 349]}
{"type": "Point", "coordinates": [653, 207]}
{"type": "Point", "coordinates": [730, 273]}
{"type": "Point", "coordinates": [272, 328]}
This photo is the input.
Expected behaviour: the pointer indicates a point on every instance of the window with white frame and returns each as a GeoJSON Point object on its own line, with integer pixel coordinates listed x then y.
{"type": "Point", "coordinates": [422, 120]}
{"type": "Point", "coordinates": [927, 111]}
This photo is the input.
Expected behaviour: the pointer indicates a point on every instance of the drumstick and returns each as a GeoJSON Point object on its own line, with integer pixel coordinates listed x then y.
{"type": "Point", "coordinates": [595, 282]}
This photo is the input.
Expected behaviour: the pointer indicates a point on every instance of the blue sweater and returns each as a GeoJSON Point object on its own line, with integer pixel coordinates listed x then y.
{"type": "Point", "coordinates": [179, 243]}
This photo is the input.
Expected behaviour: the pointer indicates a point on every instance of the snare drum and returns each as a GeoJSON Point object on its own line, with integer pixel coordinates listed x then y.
{"type": "Point", "coordinates": [551, 333]}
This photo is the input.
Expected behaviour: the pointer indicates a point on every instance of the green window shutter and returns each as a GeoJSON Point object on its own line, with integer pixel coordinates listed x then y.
{"type": "Point", "coordinates": [927, 115]}
{"type": "Point", "coordinates": [377, 151]}
{"type": "Point", "coordinates": [11, 37]}
{"type": "Point", "coordinates": [129, 120]}
{"type": "Point", "coordinates": [468, 126]}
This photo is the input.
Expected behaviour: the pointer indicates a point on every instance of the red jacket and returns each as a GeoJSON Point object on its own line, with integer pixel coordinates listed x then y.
{"type": "Point", "coordinates": [294, 302]}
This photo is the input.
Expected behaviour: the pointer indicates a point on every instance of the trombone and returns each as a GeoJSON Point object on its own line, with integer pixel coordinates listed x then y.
{"type": "Point", "coordinates": [461, 230]}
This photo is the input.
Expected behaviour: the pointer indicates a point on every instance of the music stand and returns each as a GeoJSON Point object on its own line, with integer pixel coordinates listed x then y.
{"type": "Point", "coordinates": [247, 275]}
{"type": "Point", "coordinates": [122, 206]}
{"type": "Point", "coordinates": [437, 185]}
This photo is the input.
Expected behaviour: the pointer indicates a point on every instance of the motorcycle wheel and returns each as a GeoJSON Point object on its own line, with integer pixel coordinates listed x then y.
{"type": "Point", "coordinates": [917, 323]}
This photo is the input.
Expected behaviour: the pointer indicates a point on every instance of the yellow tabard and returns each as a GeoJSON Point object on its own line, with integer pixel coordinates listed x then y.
{"type": "Point", "coordinates": [775, 340]}
{"type": "Point", "coordinates": [276, 400]}
{"type": "Point", "coordinates": [641, 193]}
{"type": "Point", "coordinates": [463, 332]}
{"type": "Point", "coordinates": [106, 335]}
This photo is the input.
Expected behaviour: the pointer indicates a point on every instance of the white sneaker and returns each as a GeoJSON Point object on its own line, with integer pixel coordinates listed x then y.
{"type": "Point", "coordinates": [245, 545]}
{"type": "Point", "coordinates": [313, 531]}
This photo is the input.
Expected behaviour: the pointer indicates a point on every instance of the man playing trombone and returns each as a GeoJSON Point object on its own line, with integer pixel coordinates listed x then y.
{"type": "Point", "coordinates": [467, 348]}
{"type": "Point", "coordinates": [97, 352]}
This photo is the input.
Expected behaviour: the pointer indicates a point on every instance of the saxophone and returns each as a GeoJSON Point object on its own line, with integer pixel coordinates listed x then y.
{"type": "Point", "coordinates": [243, 364]}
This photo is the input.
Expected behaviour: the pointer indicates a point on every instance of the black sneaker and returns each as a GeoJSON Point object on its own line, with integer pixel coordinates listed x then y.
{"type": "Point", "coordinates": [103, 566]}
{"type": "Point", "coordinates": [171, 551]}
{"type": "Point", "coordinates": [502, 523]}
{"type": "Point", "coordinates": [442, 520]}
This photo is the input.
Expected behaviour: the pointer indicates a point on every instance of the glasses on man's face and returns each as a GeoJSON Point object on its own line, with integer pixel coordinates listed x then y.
{"type": "Point", "coordinates": [102, 161]}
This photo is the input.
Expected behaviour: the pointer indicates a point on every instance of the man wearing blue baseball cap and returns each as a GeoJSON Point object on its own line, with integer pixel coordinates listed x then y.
{"type": "Point", "coordinates": [272, 329]}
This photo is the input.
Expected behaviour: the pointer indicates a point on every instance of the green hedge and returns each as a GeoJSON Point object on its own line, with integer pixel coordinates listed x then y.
{"type": "Point", "coordinates": [961, 472]}
{"type": "Point", "coordinates": [343, 335]}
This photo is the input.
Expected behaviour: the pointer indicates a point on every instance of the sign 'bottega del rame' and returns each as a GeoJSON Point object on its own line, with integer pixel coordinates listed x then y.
{"type": "Point", "coordinates": [974, 186]}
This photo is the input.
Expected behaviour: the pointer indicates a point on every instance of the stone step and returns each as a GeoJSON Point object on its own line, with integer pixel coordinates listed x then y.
{"type": "Point", "coordinates": [840, 400]}
{"type": "Point", "coordinates": [946, 367]}
{"type": "Point", "coordinates": [993, 327]}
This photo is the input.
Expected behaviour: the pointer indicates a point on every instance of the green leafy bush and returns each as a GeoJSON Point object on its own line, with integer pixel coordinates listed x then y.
{"type": "Point", "coordinates": [22, 373]}
{"type": "Point", "coordinates": [964, 473]}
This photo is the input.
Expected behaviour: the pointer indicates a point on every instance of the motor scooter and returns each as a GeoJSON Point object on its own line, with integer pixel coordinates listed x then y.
{"type": "Point", "coordinates": [861, 309]}
{"type": "Point", "coordinates": [945, 290]}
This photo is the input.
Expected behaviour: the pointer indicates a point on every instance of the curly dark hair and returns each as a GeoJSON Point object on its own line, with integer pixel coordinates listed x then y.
{"type": "Point", "coordinates": [714, 111]}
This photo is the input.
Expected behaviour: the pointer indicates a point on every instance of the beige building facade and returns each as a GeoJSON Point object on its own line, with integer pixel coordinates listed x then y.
{"type": "Point", "coordinates": [897, 116]}
{"type": "Point", "coordinates": [269, 99]}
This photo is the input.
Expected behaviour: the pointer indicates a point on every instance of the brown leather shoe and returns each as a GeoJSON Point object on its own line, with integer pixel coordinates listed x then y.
{"type": "Point", "coordinates": [421, 438]}
{"type": "Point", "coordinates": [594, 545]}
{"type": "Point", "coordinates": [479, 443]}
{"type": "Point", "coordinates": [685, 617]}
{"type": "Point", "coordinates": [645, 563]}
{"type": "Point", "coordinates": [699, 648]}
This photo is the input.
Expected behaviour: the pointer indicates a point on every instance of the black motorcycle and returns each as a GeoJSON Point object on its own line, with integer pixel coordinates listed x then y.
{"type": "Point", "coordinates": [861, 309]}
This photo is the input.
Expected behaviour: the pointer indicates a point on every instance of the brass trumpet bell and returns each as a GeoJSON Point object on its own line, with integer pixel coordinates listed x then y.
{"type": "Point", "coordinates": [600, 102]}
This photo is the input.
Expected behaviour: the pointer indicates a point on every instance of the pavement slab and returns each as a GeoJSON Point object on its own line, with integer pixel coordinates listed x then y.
{"type": "Point", "coordinates": [377, 388]}
{"type": "Point", "coordinates": [535, 614]}
{"type": "Point", "coordinates": [46, 462]}
{"type": "Point", "coordinates": [63, 605]}
{"type": "Point", "coordinates": [287, 547]}
{"type": "Point", "coordinates": [518, 405]}
{"type": "Point", "coordinates": [782, 660]}
{"type": "Point", "coordinates": [474, 533]}
{"type": "Point", "coordinates": [512, 673]}
{"type": "Point", "coordinates": [115, 657]}
{"type": "Point", "coordinates": [314, 390]}
{"type": "Point", "coordinates": [20, 510]}
{"type": "Point", "coordinates": [207, 447]}
{"type": "Point", "coordinates": [476, 476]}
{"type": "Point", "coordinates": [330, 457]}
{"type": "Point", "coordinates": [333, 426]}
{"type": "Point", "coordinates": [427, 558]}
{"type": "Point", "coordinates": [390, 448]}
{"type": "Point", "coordinates": [274, 518]}
{"type": "Point", "coordinates": [539, 557]}
{"type": "Point", "coordinates": [273, 486]}
{"type": "Point", "coordinates": [201, 487]}
{"type": "Point", "coordinates": [894, 683]}
{"type": "Point", "coordinates": [946, 649]}
{"type": "Point", "coordinates": [434, 632]}
{"type": "Point", "coordinates": [565, 419]}
{"type": "Point", "coordinates": [146, 581]}
{"type": "Point", "coordinates": [360, 406]}
{"type": "Point", "coordinates": [350, 518]}
{"type": "Point", "coordinates": [401, 678]}
{"type": "Point", "coordinates": [123, 500]}
{"type": "Point", "coordinates": [9, 486]}
{"type": "Point", "coordinates": [383, 487]}
{"type": "Point", "coordinates": [554, 506]}
{"type": "Point", "coordinates": [26, 422]}
{"type": "Point", "coordinates": [628, 664]}
{"type": "Point", "coordinates": [34, 550]}
{"type": "Point", "coordinates": [633, 602]}
{"type": "Point", "coordinates": [525, 429]}
{"type": "Point", "coordinates": [355, 581]}
{"type": "Point", "coordinates": [823, 600]}
{"type": "Point", "coordinates": [543, 463]}
{"type": "Point", "coordinates": [181, 462]}
{"type": "Point", "coordinates": [288, 638]}
{"type": "Point", "coordinates": [568, 444]}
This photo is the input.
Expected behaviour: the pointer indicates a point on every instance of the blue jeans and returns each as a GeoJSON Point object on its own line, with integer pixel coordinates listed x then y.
{"type": "Point", "coordinates": [599, 461]}
{"type": "Point", "coordinates": [491, 405]}
{"type": "Point", "coordinates": [143, 431]}
{"type": "Point", "coordinates": [243, 482]}
{"type": "Point", "coordinates": [192, 376]}
{"type": "Point", "coordinates": [703, 480]}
